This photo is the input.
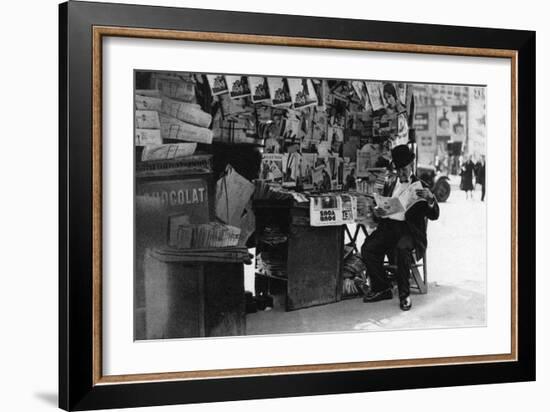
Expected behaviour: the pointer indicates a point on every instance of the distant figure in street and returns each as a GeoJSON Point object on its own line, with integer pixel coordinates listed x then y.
{"type": "Point", "coordinates": [480, 175]}
{"type": "Point", "coordinates": [467, 176]}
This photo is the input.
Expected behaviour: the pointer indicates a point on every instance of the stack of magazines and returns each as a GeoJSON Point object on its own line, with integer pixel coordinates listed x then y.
{"type": "Point", "coordinates": [221, 255]}
{"type": "Point", "coordinates": [179, 116]}
{"type": "Point", "coordinates": [274, 191]}
{"type": "Point", "coordinates": [147, 104]}
{"type": "Point", "coordinates": [273, 236]}
{"type": "Point", "coordinates": [207, 235]}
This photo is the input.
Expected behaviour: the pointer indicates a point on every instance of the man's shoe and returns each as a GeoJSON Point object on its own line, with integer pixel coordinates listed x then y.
{"type": "Point", "coordinates": [376, 296]}
{"type": "Point", "coordinates": [405, 303]}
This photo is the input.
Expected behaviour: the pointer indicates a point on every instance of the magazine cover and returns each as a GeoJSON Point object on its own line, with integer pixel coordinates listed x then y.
{"type": "Point", "coordinates": [279, 92]}
{"type": "Point", "coordinates": [376, 99]}
{"type": "Point", "coordinates": [302, 93]}
{"type": "Point", "coordinates": [320, 86]}
{"type": "Point", "coordinates": [238, 86]}
{"type": "Point", "coordinates": [259, 90]}
{"type": "Point", "coordinates": [349, 176]}
{"type": "Point", "coordinates": [361, 91]}
{"type": "Point", "coordinates": [218, 84]}
{"type": "Point", "coordinates": [370, 156]}
{"type": "Point", "coordinates": [306, 169]}
{"type": "Point", "coordinates": [272, 166]}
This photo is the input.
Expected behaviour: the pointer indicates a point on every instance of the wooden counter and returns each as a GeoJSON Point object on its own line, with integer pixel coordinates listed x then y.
{"type": "Point", "coordinates": [314, 254]}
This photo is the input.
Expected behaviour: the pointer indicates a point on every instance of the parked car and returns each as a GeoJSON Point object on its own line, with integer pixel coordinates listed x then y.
{"type": "Point", "coordinates": [438, 183]}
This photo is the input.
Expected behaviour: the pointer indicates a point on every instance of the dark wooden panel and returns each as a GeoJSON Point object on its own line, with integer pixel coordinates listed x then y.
{"type": "Point", "coordinates": [193, 300]}
{"type": "Point", "coordinates": [172, 299]}
{"type": "Point", "coordinates": [150, 232]}
{"type": "Point", "coordinates": [314, 266]}
{"type": "Point", "coordinates": [224, 302]}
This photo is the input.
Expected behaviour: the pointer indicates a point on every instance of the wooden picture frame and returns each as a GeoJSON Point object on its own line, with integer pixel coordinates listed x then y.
{"type": "Point", "coordinates": [82, 28]}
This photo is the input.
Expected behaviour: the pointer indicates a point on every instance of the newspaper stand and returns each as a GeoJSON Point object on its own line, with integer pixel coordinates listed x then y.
{"type": "Point", "coordinates": [313, 255]}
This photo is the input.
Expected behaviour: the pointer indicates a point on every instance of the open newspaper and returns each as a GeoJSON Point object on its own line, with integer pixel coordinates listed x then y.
{"type": "Point", "coordinates": [401, 203]}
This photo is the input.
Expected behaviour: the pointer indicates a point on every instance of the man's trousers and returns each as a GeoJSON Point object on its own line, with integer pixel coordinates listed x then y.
{"type": "Point", "coordinates": [391, 238]}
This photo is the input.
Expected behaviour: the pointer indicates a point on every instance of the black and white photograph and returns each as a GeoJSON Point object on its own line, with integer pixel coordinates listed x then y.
{"type": "Point", "coordinates": [274, 206]}
{"type": "Point", "coordinates": [263, 236]}
{"type": "Point", "coordinates": [260, 205]}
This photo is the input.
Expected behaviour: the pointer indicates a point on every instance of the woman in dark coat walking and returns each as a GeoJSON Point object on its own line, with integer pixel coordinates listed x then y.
{"type": "Point", "coordinates": [480, 176]}
{"type": "Point", "coordinates": [467, 176]}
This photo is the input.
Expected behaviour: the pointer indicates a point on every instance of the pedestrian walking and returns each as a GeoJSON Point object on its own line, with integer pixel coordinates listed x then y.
{"type": "Point", "coordinates": [480, 175]}
{"type": "Point", "coordinates": [467, 177]}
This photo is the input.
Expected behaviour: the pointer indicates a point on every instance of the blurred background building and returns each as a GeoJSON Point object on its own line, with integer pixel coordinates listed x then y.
{"type": "Point", "coordinates": [450, 125]}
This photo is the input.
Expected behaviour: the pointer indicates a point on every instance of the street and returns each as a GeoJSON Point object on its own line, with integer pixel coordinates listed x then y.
{"type": "Point", "coordinates": [456, 278]}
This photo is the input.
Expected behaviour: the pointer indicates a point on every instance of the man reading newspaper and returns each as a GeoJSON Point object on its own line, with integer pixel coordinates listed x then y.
{"type": "Point", "coordinates": [401, 213]}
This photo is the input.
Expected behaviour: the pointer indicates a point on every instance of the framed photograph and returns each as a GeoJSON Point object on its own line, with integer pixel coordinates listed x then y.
{"type": "Point", "coordinates": [197, 148]}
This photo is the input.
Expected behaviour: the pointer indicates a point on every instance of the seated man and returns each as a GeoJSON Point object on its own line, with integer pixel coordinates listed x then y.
{"type": "Point", "coordinates": [399, 232]}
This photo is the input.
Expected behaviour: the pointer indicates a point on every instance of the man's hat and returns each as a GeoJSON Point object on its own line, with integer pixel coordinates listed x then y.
{"type": "Point", "coordinates": [401, 155]}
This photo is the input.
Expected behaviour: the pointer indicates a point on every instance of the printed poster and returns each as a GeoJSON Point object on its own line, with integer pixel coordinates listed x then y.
{"type": "Point", "coordinates": [443, 125]}
{"type": "Point", "coordinates": [458, 123]}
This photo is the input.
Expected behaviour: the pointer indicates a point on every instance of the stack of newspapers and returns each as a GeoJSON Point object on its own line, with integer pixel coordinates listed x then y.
{"type": "Point", "coordinates": [168, 111]}
{"type": "Point", "coordinates": [147, 121]}
{"type": "Point", "coordinates": [274, 191]}
{"type": "Point", "coordinates": [220, 255]}
{"type": "Point", "coordinates": [180, 117]}
{"type": "Point", "coordinates": [206, 235]}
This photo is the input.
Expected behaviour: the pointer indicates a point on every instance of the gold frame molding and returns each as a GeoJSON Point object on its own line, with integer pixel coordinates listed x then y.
{"type": "Point", "coordinates": [99, 32]}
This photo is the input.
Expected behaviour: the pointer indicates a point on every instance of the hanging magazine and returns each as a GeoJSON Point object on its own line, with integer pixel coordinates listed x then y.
{"type": "Point", "coordinates": [259, 89]}
{"type": "Point", "coordinates": [279, 92]}
{"type": "Point", "coordinates": [271, 167]}
{"type": "Point", "coordinates": [218, 84]}
{"type": "Point", "coordinates": [375, 97]}
{"type": "Point", "coordinates": [238, 86]}
{"type": "Point", "coordinates": [302, 93]}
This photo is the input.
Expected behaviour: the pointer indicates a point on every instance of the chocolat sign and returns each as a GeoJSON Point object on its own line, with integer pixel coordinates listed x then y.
{"type": "Point", "coordinates": [188, 196]}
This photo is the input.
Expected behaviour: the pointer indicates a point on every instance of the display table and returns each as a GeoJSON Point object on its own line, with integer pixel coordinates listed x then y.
{"type": "Point", "coordinates": [313, 263]}
{"type": "Point", "coordinates": [194, 293]}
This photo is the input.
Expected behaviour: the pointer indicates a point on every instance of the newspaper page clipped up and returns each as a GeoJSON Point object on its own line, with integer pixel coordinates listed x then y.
{"type": "Point", "coordinates": [332, 210]}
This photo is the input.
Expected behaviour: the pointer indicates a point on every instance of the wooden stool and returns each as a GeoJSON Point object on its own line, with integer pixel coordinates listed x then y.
{"type": "Point", "coordinates": [419, 281]}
